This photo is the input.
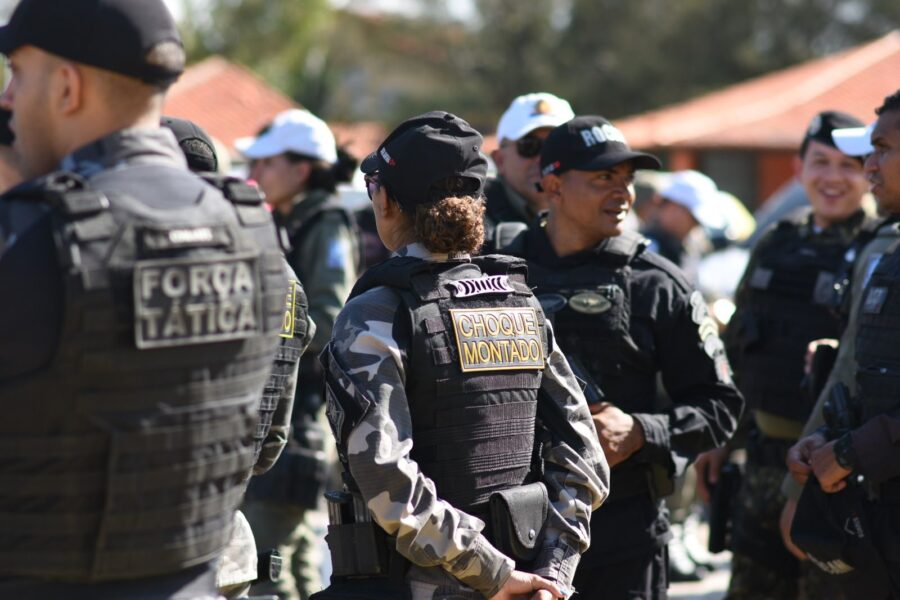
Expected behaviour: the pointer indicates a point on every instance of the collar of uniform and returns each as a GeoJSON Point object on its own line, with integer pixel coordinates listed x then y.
{"type": "Point", "coordinates": [417, 250]}
{"type": "Point", "coordinates": [844, 231]}
{"type": "Point", "coordinates": [518, 202]}
{"type": "Point", "coordinates": [305, 204]}
{"type": "Point", "coordinates": [126, 146]}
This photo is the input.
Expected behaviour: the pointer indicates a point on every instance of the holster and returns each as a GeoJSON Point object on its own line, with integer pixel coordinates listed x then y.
{"type": "Point", "coordinates": [517, 519]}
{"type": "Point", "coordinates": [721, 507]}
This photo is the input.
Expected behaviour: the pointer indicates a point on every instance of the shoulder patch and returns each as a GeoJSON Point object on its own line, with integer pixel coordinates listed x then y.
{"type": "Point", "coordinates": [338, 254]}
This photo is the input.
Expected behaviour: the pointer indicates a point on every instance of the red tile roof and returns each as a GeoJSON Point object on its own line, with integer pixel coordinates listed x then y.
{"type": "Point", "coordinates": [772, 111]}
{"type": "Point", "coordinates": [227, 100]}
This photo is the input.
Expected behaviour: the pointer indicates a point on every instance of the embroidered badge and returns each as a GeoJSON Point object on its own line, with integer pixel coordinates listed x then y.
{"type": "Point", "coordinates": [498, 339]}
{"type": "Point", "coordinates": [488, 284]}
{"type": "Point", "coordinates": [288, 324]}
{"type": "Point", "coordinates": [185, 302]}
{"type": "Point", "coordinates": [590, 303]}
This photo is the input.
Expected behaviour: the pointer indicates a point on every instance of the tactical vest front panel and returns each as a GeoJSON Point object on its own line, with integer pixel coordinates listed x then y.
{"type": "Point", "coordinates": [126, 456]}
{"type": "Point", "coordinates": [878, 338]}
{"type": "Point", "coordinates": [477, 353]}
{"type": "Point", "coordinates": [590, 308]}
{"type": "Point", "coordinates": [788, 303]}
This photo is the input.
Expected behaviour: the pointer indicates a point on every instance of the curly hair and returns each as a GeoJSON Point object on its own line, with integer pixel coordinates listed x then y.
{"type": "Point", "coordinates": [451, 225]}
{"type": "Point", "coordinates": [892, 102]}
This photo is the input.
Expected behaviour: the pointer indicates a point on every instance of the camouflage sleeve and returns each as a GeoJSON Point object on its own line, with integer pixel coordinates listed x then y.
{"type": "Point", "coordinates": [428, 531]}
{"type": "Point", "coordinates": [327, 260]}
{"type": "Point", "coordinates": [575, 470]}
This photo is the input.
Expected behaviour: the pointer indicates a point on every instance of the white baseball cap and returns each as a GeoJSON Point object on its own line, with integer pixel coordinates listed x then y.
{"type": "Point", "coordinates": [699, 194]}
{"type": "Point", "coordinates": [854, 141]}
{"type": "Point", "coordinates": [530, 112]}
{"type": "Point", "coordinates": [294, 130]}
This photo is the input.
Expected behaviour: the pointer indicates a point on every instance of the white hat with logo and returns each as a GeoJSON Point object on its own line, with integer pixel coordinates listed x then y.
{"type": "Point", "coordinates": [294, 130]}
{"type": "Point", "coordinates": [699, 194]}
{"type": "Point", "coordinates": [530, 112]}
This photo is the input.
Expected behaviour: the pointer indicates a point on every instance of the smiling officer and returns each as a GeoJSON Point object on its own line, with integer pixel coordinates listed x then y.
{"type": "Point", "coordinates": [623, 316]}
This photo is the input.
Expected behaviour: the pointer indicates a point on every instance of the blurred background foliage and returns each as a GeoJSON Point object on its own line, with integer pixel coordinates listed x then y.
{"type": "Point", "coordinates": [347, 60]}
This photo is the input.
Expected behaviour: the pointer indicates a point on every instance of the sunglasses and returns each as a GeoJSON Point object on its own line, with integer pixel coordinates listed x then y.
{"type": "Point", "coordinates": [373, 184]}
{"type": "Point", "coordinates": [529, 146]}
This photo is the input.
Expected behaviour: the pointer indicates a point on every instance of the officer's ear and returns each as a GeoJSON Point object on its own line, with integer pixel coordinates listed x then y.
{"type": "Point", "coordinates": [302, 170]}
{"type": "Point", "coordinates": [551, 186]}
{"type": "Point", "coordinates": [66, 86]}
{"type": "Point", "coordinates": [798, 165]}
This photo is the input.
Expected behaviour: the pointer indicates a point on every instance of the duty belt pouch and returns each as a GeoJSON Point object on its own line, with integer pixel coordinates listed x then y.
{"type": "Point", "coordinates": [358, 546]}
{"type": "Point", "coordinates": [517, 518]}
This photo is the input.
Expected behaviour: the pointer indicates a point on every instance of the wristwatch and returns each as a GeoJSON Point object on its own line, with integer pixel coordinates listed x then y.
{"type": "Point", "coordinates": [845, 453]}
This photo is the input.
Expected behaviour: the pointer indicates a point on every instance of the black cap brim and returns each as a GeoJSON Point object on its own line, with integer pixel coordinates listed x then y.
{"type": "Point", "coordinates": [9, 41]}
{"type": "Point", "coordinates": [370, 164]}
{"type": "Point", "coordinates": [611, 159]}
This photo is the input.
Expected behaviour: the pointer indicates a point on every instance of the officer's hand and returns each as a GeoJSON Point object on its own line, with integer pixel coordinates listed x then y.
{"type": "Point", "coordinates": [708, 466]}
{"type": "Point", "coordinates": [784, 524]}
{"type": "Point", "coordinates": [831, 475]}
{"type": "Point", "coordinates": [620, 434]}
{"type": "Point", "coordinates": [522, 586]}
{"type": "Point", "coordinates": [811, 352]}
{"type": "Point", "coordinates": [800, 455]}
{"type": "Point", "coordinates": [542, 595]}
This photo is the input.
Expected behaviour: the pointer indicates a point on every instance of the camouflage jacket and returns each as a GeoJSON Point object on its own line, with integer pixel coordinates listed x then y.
{"type": "Point", "coordinates": [444, 544]}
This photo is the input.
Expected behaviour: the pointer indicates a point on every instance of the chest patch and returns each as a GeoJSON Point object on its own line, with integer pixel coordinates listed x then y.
{"type": "Point", "coordinates": [186, 302]}
{"type": "Point", "coordinates": [488, 284]}
{"type": "Point", "coordinates": [590, 303]}
{"type": "Point", "coordinates": [498, 339]}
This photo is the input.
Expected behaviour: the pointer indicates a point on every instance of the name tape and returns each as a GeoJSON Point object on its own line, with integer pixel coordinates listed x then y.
{"type": "Point", "coordinates": [185, 302]}
{"type": "Point", "coordinates": [498, 339]}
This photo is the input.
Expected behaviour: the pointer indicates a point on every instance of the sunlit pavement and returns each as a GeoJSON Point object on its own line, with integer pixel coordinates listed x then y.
{"type": "Point", "coordinates": [713, 585]}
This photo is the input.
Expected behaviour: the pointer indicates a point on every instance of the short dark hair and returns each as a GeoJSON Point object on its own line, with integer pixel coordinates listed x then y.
{"type": "Point", "coordinates": [891, 102]}
{"type": "Point", "coordinates": [324, 176]}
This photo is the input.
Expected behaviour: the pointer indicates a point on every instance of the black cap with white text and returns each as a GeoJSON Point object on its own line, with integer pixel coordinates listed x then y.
{"type": "Point", "coordinates": [590, 143]}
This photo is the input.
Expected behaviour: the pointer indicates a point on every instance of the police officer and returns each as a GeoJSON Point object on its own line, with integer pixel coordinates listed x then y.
{"type": "Point", "coordinates": [439, 368]}
{"type": "Point", "coordinates": [867, 365]}
{"type": "Point", "coordinates": [144, 323]}
{"type": "Point", "coordinates": [784, 301]}
{"type": "Point", "coordinates": [512, 197]}
{"type": "Point", "coordinates": [623, 316]}
{"type": "Point", "coordinates": [239, 565]}
{"type": "Point", "coordinates": [297, 166]}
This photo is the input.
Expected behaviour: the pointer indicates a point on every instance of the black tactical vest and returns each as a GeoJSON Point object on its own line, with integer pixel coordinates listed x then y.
{"type": "Point", "coordinates": [478, 348]}
{"type": "Point", "coordinates": [125, 457]}
{"type": "Point", "coordinates": [878, 338]}
{"type": "Point", "coordinates": [293, 337]}
{"type": "Point", "coordinates": [788, 302]}
{"type": "Point", "coordinates": [590, 308]}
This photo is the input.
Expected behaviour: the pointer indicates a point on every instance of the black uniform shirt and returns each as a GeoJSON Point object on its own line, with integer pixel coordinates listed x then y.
{"type": "Point", "coordinates": [670, 327]}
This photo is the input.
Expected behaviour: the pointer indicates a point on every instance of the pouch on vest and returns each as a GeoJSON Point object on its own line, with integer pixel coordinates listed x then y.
{"type": "Point", "coordinates": [517, 517]}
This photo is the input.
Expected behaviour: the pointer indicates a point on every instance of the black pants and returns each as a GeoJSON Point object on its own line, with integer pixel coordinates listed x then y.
{"type": "Point", "coordinates": [644, 577]}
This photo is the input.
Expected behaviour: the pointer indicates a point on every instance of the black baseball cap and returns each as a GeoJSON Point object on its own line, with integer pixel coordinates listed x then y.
{"type": "Point", "coordinates": [197, 146]}
{"type": "Point", "coordinates": [425, 150]}
{"type": "Point", "coordinates": [589, 143]}
{"type": "Point", "coordinates": [130, 37]}
{"type": "Point", "coordinates": [823, 124]}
